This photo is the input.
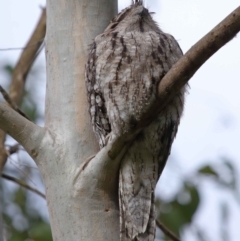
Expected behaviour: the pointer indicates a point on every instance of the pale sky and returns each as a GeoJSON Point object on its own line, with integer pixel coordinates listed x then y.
{"type": "Point", "coordinates": [210, 127]}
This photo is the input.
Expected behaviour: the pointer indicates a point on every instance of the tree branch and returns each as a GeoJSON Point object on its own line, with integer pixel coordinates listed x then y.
{"type": "Point", "coordinates": [10, 102]}
{"type": "Point", "coordinates": [182, 71]}
{"type": "Point", "coordinates": [195, 57]}
{"type": "Point", "coordinates": [20, 74]}
{"type": "Point", "coordinates": [23, 184]}
{"type": "Point", "coordinates": [21, 48]}
{"type": "Point", "coordinates": [26, 59]}
{"type": "Point", "coordinates": [167, 232]}
{"type": "Point", "coordinates": [106, 162]}
{"type": "Point", "coordinates": [22, 130]}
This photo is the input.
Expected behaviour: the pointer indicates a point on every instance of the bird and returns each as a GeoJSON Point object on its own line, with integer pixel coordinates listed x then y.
{"type": "Point", "coordinates": [124, 67]}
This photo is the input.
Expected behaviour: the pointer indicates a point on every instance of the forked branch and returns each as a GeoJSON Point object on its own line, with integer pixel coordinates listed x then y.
{"type": "Point", "coordinates": [169, 86]}
{"type": "Point", "coordinates": [20, 73]}
{"type": "Point", "coordinates": [22, 130]}
{"type": "Point", "coordinates": [10, 102]}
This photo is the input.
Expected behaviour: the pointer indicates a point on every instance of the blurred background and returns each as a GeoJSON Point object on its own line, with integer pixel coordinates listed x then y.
{"type": "Point", "coordinates": [198, 196]}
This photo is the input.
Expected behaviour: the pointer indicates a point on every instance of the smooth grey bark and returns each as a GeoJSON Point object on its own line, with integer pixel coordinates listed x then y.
{"type": "Point", "coordinates": [81, 206]}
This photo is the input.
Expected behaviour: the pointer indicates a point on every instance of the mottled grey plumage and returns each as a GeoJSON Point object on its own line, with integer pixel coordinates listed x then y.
{"type": "Point", "coordinates": [124, 67]}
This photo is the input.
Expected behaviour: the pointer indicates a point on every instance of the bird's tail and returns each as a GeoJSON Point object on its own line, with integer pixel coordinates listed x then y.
{"type": "Point", "coordinates": [137, 181]}
{"type": "Point", "coordinates": [129, 231]}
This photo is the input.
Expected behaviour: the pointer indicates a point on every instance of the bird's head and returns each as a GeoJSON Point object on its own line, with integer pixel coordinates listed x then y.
{"type": "Point", "coordinates": [134, 18]}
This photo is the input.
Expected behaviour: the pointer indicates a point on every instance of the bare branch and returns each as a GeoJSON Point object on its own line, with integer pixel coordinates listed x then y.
{"type": "Point", "coordinates": [182, 71]}
{"type": "Point", "coordinates": [23, 184]}
{"type": "Point", "coordinates": [19, 48]}
{"type": "Point", "coordinates": [22, 130]}
{"type": "Point", "coordinates": [26, 59]}
{"type": "Point", "coordinates": [20, 74]}
{"type": "Point", "coordinates": [196, 56]}
{"type": "Point", "coordinates": [167, 232]}
{"type": "Point", "coordinates": [105, 164]}
{"type": "Point", "coordinates": [104, 167]}
{"type": "Point", "coordinates": [10, 102]}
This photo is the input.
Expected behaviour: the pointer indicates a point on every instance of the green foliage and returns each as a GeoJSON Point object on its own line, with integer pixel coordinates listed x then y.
{"type": "Point", "coordinates": [33, 227]}
{"type": "Point", "coordinates": [8, 68]}
{"type": "Point", "coordinates": [178, 213]}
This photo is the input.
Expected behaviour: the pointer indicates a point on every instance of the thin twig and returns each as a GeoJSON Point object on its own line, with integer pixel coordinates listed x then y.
{"type": "Point", "coordinates": [167, 232]}
{"type": "Point", "coordinates": [21, 48]}
{"type": "Point", "coordinates": [23, 184]}
{"type": "Point", "coordinates": [11, 103]}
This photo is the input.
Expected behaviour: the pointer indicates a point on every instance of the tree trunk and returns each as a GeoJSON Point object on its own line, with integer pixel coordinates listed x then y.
{"type": "Point", "coordinates": [79, 209]}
